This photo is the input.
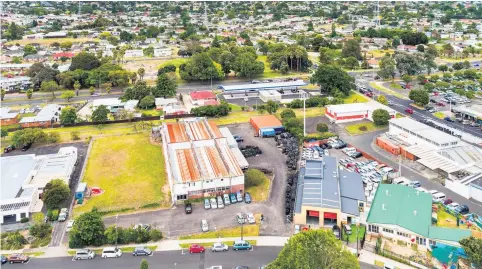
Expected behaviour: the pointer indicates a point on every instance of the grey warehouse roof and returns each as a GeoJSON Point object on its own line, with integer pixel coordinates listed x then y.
{"type": "Point", "coordinates": [264, 86]}
{"type": "Point", "coordinates": [14, 172]}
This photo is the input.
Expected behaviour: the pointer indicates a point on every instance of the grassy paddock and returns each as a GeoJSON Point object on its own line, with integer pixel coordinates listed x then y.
{"type": "Point", "coordinates": [130, 171]}
{"type": "Point", "coordinates": [48, 41]}
{"type": "Point", "coordinates": [260, 193]}
{"type": "Point", "coordinates": [249, 230]}
{"type": "Point", "coordinates": [357, 129]}
{"type": "Point", "coordinates": [355, 98]}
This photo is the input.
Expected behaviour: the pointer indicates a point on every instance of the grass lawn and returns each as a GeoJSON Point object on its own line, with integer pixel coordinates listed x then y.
{"type": "Point", "coordinates": [48, 41]}
{"type": "Point", "coordinates": [260, 193]}
{"type": "Point", "coordinates": [380, 53]}
{"type": "Point", "coordinates": [439, 115]}
{"type": "Point", "coordinates": [357, 129]}
{"type": "Point", "coordinates": [228, 243]}
{"type": "Point", "coordinates": [235, 108]}
{"type": "Point", "coordinates": [355, 98]}
{"type": "Point", "coordinates": [352, 236]}
{"type": "Point", "coordinates": [249, 230]}
{"type": "Point", "coordinates": [385, 90]}
{"type": "Point", "coordinates": [151, 112]}
{"type": "Point", "coordinates": [399, 115]}
{"type": "Point", "coordinates": [130, 171]}
{"type": "Point", "coordinates": [395, 86]}
{"type": "Point", "coordinates": [236, 117]}
{"type": "Point", "coordinates": [176, 62]}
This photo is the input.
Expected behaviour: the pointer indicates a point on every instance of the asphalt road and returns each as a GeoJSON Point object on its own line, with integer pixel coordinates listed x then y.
{"type": "Point", "coordinates": [167, 260]}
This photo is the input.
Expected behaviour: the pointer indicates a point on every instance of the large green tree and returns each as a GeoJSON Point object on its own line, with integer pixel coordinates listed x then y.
{"type": "Point", "coordinates": [314, 249]}
{"type": "Point", "coordinates": [201, 67]}
{"type": "Point", "coordinates": [420, 97]}
{"type": "Point", "coordinates": [331, 78]}
{"type": "Point", "coordinates": [68, 115]}
{"type": "Point", "coordinates": [85, 61]}
{"type": "Point", "coordinates": [49, 86]}
{"type": "Point", "coordinates": [137, 92]}
{"type": "Point", "coordinates": [410, 64]}
{"type": "Point", "coordinates": [245, 65]}
{"type": "Point", "coordinates": [88, 230]}
{"type": "Point", "coordinates": [473, 247]}
{"type": "Point", "coordinates": [55, 193]}
{"type": "Point", "coordinates": [165, 86]}
{"type": "Point", "coordinates": [351, 48]}
{"type": "Point", "coordinates": [67, 95]}
{"type": "Point", "coordinates": [100, 114]}
{"type": "Point", "coordinates": [27, 136]}
{"type": "Point", "coordinates": [272, 107]}
{"type": "Point", "coordinates": [380, 117]}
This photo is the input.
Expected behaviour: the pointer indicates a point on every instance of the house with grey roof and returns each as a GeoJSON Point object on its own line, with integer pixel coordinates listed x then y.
{"type": "Point", "coordinates": [327, 196]}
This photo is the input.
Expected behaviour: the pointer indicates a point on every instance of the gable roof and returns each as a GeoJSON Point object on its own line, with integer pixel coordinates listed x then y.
{"type": "Point", "coordinates": [351, 185]}
{"type": "Point", "coordinates": [202, 95]}
{"type": "Point", "coordinates": [402, 206]}
{"type": "Point", "coordinates": [448, 234]}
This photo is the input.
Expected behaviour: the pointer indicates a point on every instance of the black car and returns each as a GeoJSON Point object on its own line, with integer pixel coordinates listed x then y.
{"type": "Point", "coordinates": [26, 146]}
{"type": "Point", "coordinates": [188, 208]}
{"type": "Point", "coordinates": [141, 251]}
{"type": "Point", "coordinates": [4, 259]}
{"type": "Point", "coordinates": [336, 231]}
{"type": "Point", "coordinates": [8, 149]}
{"type": "Point", "coordinates": [463, 209]}
{"type": "Point", "coordinates": [238, 138]}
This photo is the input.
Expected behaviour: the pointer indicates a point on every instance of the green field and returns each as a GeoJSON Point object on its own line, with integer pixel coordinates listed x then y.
{"type": "Point", "coordinates": [260, 193]}
{"type": "Point", "coordinates": [248, 230]}
{"type": "Point", "coordinates": [130, 171]}
{"type": "Point", "coordinates": [355, 98]}
{"type": "Point", "coordinates": [48, 41]}
{"type": "Point", "coordinates": [363, 128]}
{"type": "Point", "coordinates": [352, 237]}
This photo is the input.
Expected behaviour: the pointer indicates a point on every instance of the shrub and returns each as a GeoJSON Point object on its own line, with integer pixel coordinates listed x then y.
{"type": "Point", "coordinates": [380, 117]}
{"type": "Point", "coordinates": [211, 111]}
{"type": "Point", "coordinates": [322, 127]}
{"type": "Point", "coordinates": [363, 128]}
{"type": "Point", "coordinates": [155, 235]}
{"type": "Point", "coordinates": [53, 137]}
{"type": "Point", "coordinates": [49, 214]}
{"type": "Point", "coordinates": [41, 230]}
{"type": "Point", "coordinates": [55, 214]}
{"type": "Point", "coordinates": [75, 135]}
{"type": "Point", "coordinates": [24, 220]}
{"type": "Point", "coordinates": [287, 113]}
{"type": "Point", "coordinates": [151, 205]}
{"type": "Point", "coordinates": [142, 235]}
{"type": "Point", "coordinates": [254, 177]}
{"type": "Point", "coordinates": [13, 241]}
{"type": "Point", "coordinates": [321, 136]}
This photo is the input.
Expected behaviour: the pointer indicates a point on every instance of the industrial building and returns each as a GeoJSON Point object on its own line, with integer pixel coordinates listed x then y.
{"type": "Point", "coordinates": [267, 125]}
{"type": "Point", "coordinates": [47, 116]}
{"type": "Point", "coordinates": [288, 85]}
{"type": "Point", "coordinates": [15, 83]}
{"type": "Point", "coordinates": [327, 196]}
{"type": "Point", "coordinates": [23, 178]}
{"type": "Point", "coordinates": [355, 111]}
{"type": "Point", "coordinates": [199, 160]}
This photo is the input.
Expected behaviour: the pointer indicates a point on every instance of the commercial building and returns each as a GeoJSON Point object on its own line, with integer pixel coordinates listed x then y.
{"type": "Point", "coordinates": [162, 52]}
{"type": "Point", "coordinates": [23, 178]}
{"type": "Point", "coordinates": [267, 125]}
{"type": "Point", "coordinates": [15, 83]}
{"type": "Point", "coordinates": [327, 196]}
{"type": "Point", "coordinates": [133, 53]}
{"type": "Point", "coordinates": [355, 111]}
{"type": "Point", "coordinates": [47, 116]}
{"type": "Point", "coordinates": [7, 117]}
{"type": "Point", "coordinates": [288, 85]}
{"type": "Point", "coordinates": [199, 160]}
{"type": "Point", "coordinates": [401, 213]}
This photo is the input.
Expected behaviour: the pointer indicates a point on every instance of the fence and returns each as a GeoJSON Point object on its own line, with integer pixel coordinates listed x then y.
{"type": "Point", "coordinates": [412, 261]}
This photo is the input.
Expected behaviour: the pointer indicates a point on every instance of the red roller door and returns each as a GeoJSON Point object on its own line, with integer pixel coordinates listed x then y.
{"type": "Point", "coordinates": [312, 213]}
{"type": "Point", "coordinates": [328, 215]}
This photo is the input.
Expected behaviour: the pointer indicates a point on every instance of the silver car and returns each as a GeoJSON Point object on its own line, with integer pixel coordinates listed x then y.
{"type": "Point", "coordinates": [219, 247]}
{"type": "Point", "coordinates": [226, 199]}
{"type": "Point", "coordinates": [207, 205]}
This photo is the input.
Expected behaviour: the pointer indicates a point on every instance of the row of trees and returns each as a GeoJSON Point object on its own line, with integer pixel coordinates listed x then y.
{"type": "Point", "coordinates": [407, 36]}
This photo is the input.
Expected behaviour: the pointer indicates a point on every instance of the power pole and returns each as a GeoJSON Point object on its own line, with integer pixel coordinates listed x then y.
{"type": "Point", "coordinates": [80, 9]}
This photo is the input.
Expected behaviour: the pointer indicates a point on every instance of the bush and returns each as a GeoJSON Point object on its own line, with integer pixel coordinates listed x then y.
{"type": "Point", "coordinates": [211, 111]}
{"type": "Point", "coordinates": [49, 214]}
{"type": "Point", "coordinates": [363, 128]}
{"type": "Point", "coordinates": [24, 220]}
{"type": "Point", "coordinates": [142, 235]}
{"type": "Point", "coordinates": [254, 177]}
{"type": "Point", "coordinates": [75, 135]}
{"type": "Point", "coordinates": [53, 137]}
{"type": "Point", "coordinates": [380, 117]}
{"type": "Point", "coordinates": [166, 69]}
{"type": "Point", "coordinates": [287, 113]}
{"type": "Point", "coordinates": [13, 241]}
{"type": "Point", "coordinates": [55, 214]}
{"type": "Point", "coordinates": [155, 235]}
{"type": "Point", "coordinates": [322, 127]}
{"type": "Point", "coordinates": [151, 205]}
{"type": "Point", "coordinates": [321, 136]}
{"type": "Point", "coordinates": [41, 230]}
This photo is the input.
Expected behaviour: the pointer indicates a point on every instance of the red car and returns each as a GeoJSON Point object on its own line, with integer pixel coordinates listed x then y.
{"type": "Point", "coordinates": [196, 249]}
{"type": "Point", "coordinates": [409, 111]}
{"type": "Point", "coordinates": [447, 201]}
{"type": "Point", "coordinates": [440, 104]}
{"type": "Point", "coordinates": [18, 258]}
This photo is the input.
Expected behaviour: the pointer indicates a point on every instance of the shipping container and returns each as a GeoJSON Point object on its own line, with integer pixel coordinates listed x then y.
{"type": "Point", "coordinates": [267, 132]}
{"type": "Point", "coordinates": [388, 146]}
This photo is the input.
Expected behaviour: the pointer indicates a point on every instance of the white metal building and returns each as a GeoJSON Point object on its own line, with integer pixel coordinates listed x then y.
{"type": "Point", "coordinates": [23, 178]}
{"type": "Point", "coordinates": [133, 53]}
{"type": "Point", "coordinates": [162, 52]}
{"type": "Point", "coordinates": [355, 111]}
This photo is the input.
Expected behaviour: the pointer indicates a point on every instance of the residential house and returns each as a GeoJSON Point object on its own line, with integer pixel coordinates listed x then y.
{"type": "Point", "coordinates": [58, 56]}
{"type": "Point", "coordinates": [46, 117]}
{"type": "Point", "coordinates": [203, 98]}
{"type": "Point", "coordinates": [35, 58]}
{"type": "Point", "coordinates": [7, 117]}
{"type": "Point", "coordinates": [162, 52]}
{"type": "Point", "coordinates": [163, 102]}
{"type": "Point", "coordinates": [14, 83]}
{"type": "Point", "coordinates": [133, 53]}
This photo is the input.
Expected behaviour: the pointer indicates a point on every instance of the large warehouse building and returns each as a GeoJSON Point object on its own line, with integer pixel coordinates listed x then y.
{"type": "Point", "coordinates": [199, 160]}
{"type": "Point", "coordinates": [355, 111]}
{"type": "Point", "coordinates": [24, 177]}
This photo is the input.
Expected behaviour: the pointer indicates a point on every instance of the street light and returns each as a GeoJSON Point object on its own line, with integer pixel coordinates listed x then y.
{"type": "Point", "coordinates": [304, 95]}
{"type": "Point", "coordinates": [116, 217]}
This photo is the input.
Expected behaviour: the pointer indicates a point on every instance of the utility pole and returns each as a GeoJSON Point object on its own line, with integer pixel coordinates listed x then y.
{"type": "Point", "coordinates": [116, 217]}
{"type": "Point", "coordinates": [304, 94]}
{"type": "Point", "coordinates": [80, 9]}
{"type": "Point", "coordinates": [242, 229]}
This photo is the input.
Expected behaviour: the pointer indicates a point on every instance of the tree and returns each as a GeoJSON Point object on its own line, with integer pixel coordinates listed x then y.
{"type": "Point", "coordinates": [310, 26]}
{"type": "Point", "coordinates": [263, 46]}
{"type": "Point", "coordinates": [137, 92]}
{"type": "Point", "coordinates": [3, 93]}
{"type": "Point", "coordinates": [314, 249]}
{"type": "Point", "coordinates": [84, 61]}
{"type": "Point", "coordinates": [380, 117]}
{"type": "Point", "coordinates": [406, 78]}
{"type": "Point", "coordinates": [448, 50]}
{"type": "Point", "coordinates": [77, 87]}
{"type": "Point", "coordinates": [351, 63]}
{"type": "Point", "coordinates": [327, 55]}
{"type": "Point", "coordinates": [141, 71]}
{"type": "Point", "coordinates": [49, 86]}
{"type": "Point", "coordinates": [458, 66]}
{"type": "Point", "coordinates": [28, 136]}
{"type": "Point", "coordinates": [28, 50]}
{"type": "Point", "coordinates": [287, 113]}
{"type": "Point", "coordinates": [165, 86]}
{"type": "Point", "coordinates": [351, 48]}
{"type": "Point", "coordinates": [245, 65]}
{"type": "Point", "coordinates": [144, 264]}
{"type": "Point", "coordinates": [4, 132]}
{"type": "Point", "coordinates": [443, 67]}
{"type": "Point", "coordinates": [147, 102]}
{"type": "Point", "coordinates": [68, 116]}
{"type": "Point", "coordinates": [149, 51]}
{"type": "Point", "coordinates": [331, 78]}
{"type": "Point", "coordinates": [420, 48]}
{"type": "Point", "coordinates": [66, 45]}
{"type": "Point", "coordinates": [201, 67]}
{"type": "Point", "coordinates": [108, 89]}
{"type": "Point", "coordinates": [88, 229]}
{"type": "Point", "coordinates": [272, 106]}
{"type": "Point", "coordinates": [410, 64]}
{"type": "Point", "coordinates": [167, 69]}
{"type": "Point", "coordinates": [67, 95]}
{"type": "Point", "coordinates": [387, 67]}
{"type": "Point", "coordinates": [382, 99]}
{"type": "Point", "coordinates": [473, 247]}
{"type": "Point", "coordinates": [40, 73]}
{"type": "Point", "coordinates": [100, 114]}
{"type": "Point", "coordinates": [91, 90]}
{"type": "Point", "coordinates": [322, 127]}
{"type": "Point", "coordinates": [395, 41]}
{"type": "Point", "coordinates": [55, 193]}
{"type": "Point", "coordinates": [254, 177]}
{"type": "Point", "coordinates": [420, 97]}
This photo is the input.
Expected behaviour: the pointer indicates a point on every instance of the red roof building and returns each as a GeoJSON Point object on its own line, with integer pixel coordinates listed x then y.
{"type": "Point", "coordinates": [202, 98]}
{"type": "Point", "coordinates": [59, 55]}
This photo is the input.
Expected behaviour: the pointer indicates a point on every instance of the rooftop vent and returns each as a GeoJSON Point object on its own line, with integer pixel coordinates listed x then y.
{"type": "Point", "coordinates": [387, 192]}
{"type": "Point", "coordinates": [415, 212]}
{"type": "Point", "coordinates": [383, 207]}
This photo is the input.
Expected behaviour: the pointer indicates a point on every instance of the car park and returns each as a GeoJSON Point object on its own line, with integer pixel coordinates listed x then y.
{"type": "Point", "coordinates": [240, 218]}
{"type": "Point", "coordinates": [195, 248]}
{"type": "Point", "coordinates": [250, 218]}
{"type": "Point", "coordinates": [219, 247]}
{"type": "Point", "coordinates": [214, 203]}
{"type": "Point", "coordinates": [247, 198]}
{"type": "Point", "coordinates": [207, 204]}
{"type": "Point", "coordinates": [111, 252]}
{"type": "Point", "coordinates": [204, 225]}
{"type": "Point", "coordinates": [220, 202]}
{"type": "Point", "coordinates": [242, 245]}
{"type": "Point", "coordinates": [142, 251]}
{"type": "Point", "coordinates": [18, 258]}
{"type": "Point", "coordinates": [188, 208]}
{"type": "Point", "coordinates": [226, 199]}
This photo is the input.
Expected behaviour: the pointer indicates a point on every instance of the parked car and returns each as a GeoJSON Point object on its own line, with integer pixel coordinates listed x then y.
{"type": "Point", "coordinates": [111, 252]}
{"type": "Point", "coordinates": [207, 204]}
{"type": "Point", "coordinates": [415, 184]}
{"type": "Point", "coordinates": [250, 218]}
{"type": "Point", "coordinates": [233, 198]}
{"type": "Point", "coordinates": [441, 104]}
{"type": "Point", "coordinates": [238, 138]}
{"type": "Point", "coordinates": [336, 231]}
{"type": "Point", "coordinates": [18, 258]}
{"type": "Point", "coordinates": [188, 208]}
{"type": "Point", "coordinates": [475, 124]}
{"type": "Point", "coordinates": [3, 259]}
{"type": "Point", "coordinates": [219, 247]}
{"type": "Point", "coordinates": [347, 228]}
{"type": "Point", "coordinates": [449, 119]}
{"type": "Point", "coordinates": [195, 248]}
{"type": "Point", "coordinates": [204, 225]}
{"type": "Point", "coordinates": [70, 224]}
{"type": "Point", "coordinates": [84, 254]}
{"type": "Point", "coordinates": [463, 209]}
{"type": "Point", "coordinates": [242, 245]}
{"type": "Point", "coordinates": [409, 110]}
{"type": "Point", "coordinates": [247, 198]}
{"type": "Point", "coordinates": [8, 148]}
{"type": "Point", "coordinates": [226, 199]}
{"type": "Point", "coordinates": [64, 213]}
{"type": "Point", "coordinates": [141, 251]}
{"type": "Point", "coordinates": [26, 146]}
{"type": "Point", "coordinates": [452, 206]}
{"type": "Point", "coordinates": [438, 197]}
{"type": "Point", "coordinates": [240, 218]}
{"type": "Point", "coordinates": [220, 202]}
{"type": "Point", "coordinates": [448, 201]}
{"type": "Point", "coordinates": [239, 197]}
{"type": "Point", "coordinates": [214, 203]}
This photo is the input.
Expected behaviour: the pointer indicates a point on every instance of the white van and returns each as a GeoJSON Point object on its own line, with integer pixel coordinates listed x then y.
{"type": "Point", "coordinates": [438, 197]}
{"type": "Point", "coordinates": [204, 225]}
{"type": "Point", "coordinates": [401, 181]}
{"type": "Point", "coordinates": [111, 252]}
{"type": "Point", "coordinates": [84, 254]}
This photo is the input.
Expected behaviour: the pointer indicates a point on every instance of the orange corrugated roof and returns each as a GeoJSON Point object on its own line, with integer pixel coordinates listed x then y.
{"type": "Point", "coordinates": [187, 165]}
{"type": "Point", "coordinates": [177, 132]}
{"type": "Point", "coordinates": [216, 162]}
{"type": "Point", "coordinates": [268, 121]}
{"type": "Point", "coordinates": [215, 129]}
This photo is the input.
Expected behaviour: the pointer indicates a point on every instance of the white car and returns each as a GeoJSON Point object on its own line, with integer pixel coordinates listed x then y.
{"type": "Point", "coordinates": [216, 267]}
{"type": "Point", "coordinates": [432, 192]}
{"type": "Point", "coordinates": [250, 218]}
{"type": "Point", "coordinates": [70, 224]}
{"type": "Point", "coordinates": [214, 203]}
{"type": "Point", "coordinates": [204, 225]}
{"type": "Point", "coordinates": [453, 206]}
{"type": "Point", "coordinates": [219, 247]}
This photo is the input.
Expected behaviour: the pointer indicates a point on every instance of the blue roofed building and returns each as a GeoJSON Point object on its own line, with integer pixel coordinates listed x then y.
{"type": "Point", "coordinates": [327, 196]}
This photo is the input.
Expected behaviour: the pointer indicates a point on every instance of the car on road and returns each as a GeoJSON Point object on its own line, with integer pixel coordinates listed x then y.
{"type": "Point", "coordinates": [233, 198]}
{"type": "Point", "coordinates": [463, 209]}
{"type": "Point", "coordinates": [26, 146]}
{"type": "Point", "coordinates": [240, 218]}
{"type": "Point", "coordinates": [70, 224]}
{"type": "Point", "coordinates": [250, 218]}
{"type": "Point", "coordinates": [238, 138]}
{"type": "Point", "coordinates": [214, 203]}
{"type": "Point", "coordinates": [3, 259]}
{"type": "Point", "coordinates": [239, 197]}
{"type": "Point", "coordinates": [216, 267]}
{"type": "Point", "coordinates": [475, 124]}
{"type": "Point", "coordinates": [347, 229]}
{"type": "Point", "coordinates": [415, 184]}
{"type": "Point", "coordinates": [188, 208]}
{"type": "Point", "coordinates": [64, 213]}
{"type": "Point", "coordinates": [336, 231]}
{"type": "Point", "coordinates": [409, 110]}
{"type": "Point", "coordinates": [204, 225]}
{"type": "Point", "coordinates": [247, 198]}
{"type": "Point", "coordinates": [219, 247]}
{"type": "Point", "coordinates": [95, 94]}
{"type": "Point", "coordinates": [111, 252]}
{"type": "Point", "coordinates": [226, 199]}
{"type": "Point", "coordinates": [8, 149]}
{"type": "Point", "coordinates": [18, 258]}
{"type": "Point", "coordinates": [84, 254]}
{"type": "Point", "coordinates": [390, 103]}
{"type": "Point", "coordinates": [207, 204]}
{"type": "Point", "coordinates": [195, 248]}
{"type": "Point", "coordinates": [449, 119]}
{"type": "Point", "coordinates": [242, 245]}
{"type": "Point", "coordinates": [142, 251]}
{"type": "Point", "coordinates": [241, 267]}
